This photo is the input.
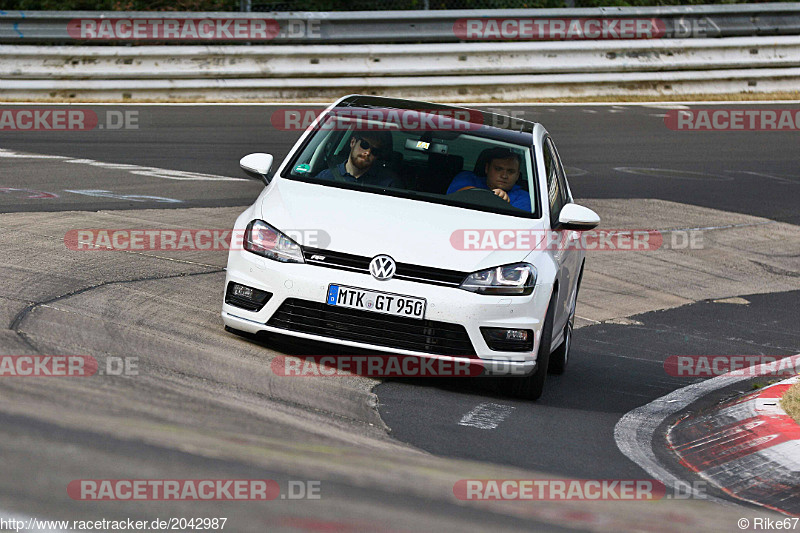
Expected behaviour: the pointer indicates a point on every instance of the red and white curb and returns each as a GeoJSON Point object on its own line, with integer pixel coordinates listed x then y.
{"type": "Point", "coordinates": [748, 447]}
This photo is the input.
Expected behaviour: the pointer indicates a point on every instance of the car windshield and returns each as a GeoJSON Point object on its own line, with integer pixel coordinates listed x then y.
{"type": "Point", "coordinates": [435, 157]}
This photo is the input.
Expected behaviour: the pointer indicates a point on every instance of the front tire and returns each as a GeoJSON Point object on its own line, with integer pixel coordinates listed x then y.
{"type": "Point", "coordinates": [531, 387]}
{"type": "Point", "coordinates": [560, 356]}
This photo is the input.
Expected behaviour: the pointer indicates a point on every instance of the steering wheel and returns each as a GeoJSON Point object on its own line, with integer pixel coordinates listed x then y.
{"type": "Point", "coordinates": [488, 197]}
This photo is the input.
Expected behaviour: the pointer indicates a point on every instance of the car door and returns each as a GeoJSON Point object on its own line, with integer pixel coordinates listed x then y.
{"type": "Point", "coordinates": [565, 252]}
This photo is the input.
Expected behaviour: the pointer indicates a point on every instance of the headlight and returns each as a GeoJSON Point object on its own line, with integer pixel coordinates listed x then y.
{"type": "Point", "coordinates": [262, 239]}
{"type": "Point", "coordinates": [517, 279]}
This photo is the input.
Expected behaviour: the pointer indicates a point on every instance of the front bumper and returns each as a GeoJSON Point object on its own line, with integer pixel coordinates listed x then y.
{"type": "Point", "coordinates": [309, 283]}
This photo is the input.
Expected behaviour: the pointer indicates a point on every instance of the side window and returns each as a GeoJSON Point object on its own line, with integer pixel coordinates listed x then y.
{"type": "Point", "coordinates": [562, 175]}
{"type": "Point", "coordinates": [555, 191]}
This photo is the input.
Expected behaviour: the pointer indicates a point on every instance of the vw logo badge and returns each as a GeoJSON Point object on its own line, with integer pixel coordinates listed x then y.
{"type": "Point", "coordinates": [382, 267]}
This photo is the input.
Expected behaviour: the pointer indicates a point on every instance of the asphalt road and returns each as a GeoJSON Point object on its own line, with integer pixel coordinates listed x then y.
{"type": "Point", "coordinates": [613, 369]}
{"type": "Point", "coordinates": [753, 172]}
{"type": "Point", "coordinates": [183, 157]}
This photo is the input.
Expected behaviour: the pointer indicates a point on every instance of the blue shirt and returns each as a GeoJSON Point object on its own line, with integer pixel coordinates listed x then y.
{"type": "Point", "coordinates": [376, 175]}
{"type": "Point", "coordinates": [517, 196]}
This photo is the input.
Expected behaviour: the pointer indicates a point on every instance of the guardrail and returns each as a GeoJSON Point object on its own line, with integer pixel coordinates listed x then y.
{"type": "Point", "coordinates": [320, 56]}
{"type": "Point", "coordinates": [389, 61]}
{"type": "Point", "coordinates": [64, 27]}
{"type": "Point", "coordinates": [466, 71]}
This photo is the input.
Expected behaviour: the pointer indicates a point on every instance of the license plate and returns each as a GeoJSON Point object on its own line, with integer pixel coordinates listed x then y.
{"type": "Point", "coordinates": [379, 302]}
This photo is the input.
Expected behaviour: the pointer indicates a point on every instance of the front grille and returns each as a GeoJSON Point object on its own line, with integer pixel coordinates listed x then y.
{"type": "Point", "coordinates": [405, 271]}
{"type": "Point", "coordinates": [338, 260]}
{"type": "Point", "coordinates": [428, 336]}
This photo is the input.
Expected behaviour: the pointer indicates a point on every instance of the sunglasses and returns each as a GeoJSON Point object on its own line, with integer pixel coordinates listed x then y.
{"type": "Point", "coordinates": [375, 150]}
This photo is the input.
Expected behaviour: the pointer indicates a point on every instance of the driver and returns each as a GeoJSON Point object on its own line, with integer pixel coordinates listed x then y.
{"type": "Point", "coordinates": [362, 166]}
{"type": "Point", "coordinates": [502, 172]}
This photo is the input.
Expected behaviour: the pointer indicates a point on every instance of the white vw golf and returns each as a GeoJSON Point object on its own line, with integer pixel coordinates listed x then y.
{"type": "Point", "coordinates": [419, 229]}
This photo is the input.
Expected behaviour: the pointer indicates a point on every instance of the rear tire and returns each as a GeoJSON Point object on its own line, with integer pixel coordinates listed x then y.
{"type": "Point", "coordinates": [531, 387]}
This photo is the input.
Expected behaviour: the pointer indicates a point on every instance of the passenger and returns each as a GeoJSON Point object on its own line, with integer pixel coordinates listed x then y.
{"type": "Point", "coordinates": [502, 172]}
{"type": "Point", "coordinates": [361, 166]}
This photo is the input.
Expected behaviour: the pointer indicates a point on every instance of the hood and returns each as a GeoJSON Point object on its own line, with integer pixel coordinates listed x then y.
{"type": "Point", "coordinates": [367, 224]}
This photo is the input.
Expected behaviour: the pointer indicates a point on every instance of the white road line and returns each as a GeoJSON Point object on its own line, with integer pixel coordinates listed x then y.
{"type": "Point", "coordinates": [669, 106]}
{"type": "Point", "coordinates": [635, 431]}
{"type": "Point", "coordinates": [765, 175]}
{"type": "Point", "coordinates": [486, 416]}
{"type": "Point", "coordinates": [727, 226]}
{"type": "Point", "coordinates": [672, 174]}
{"type": "Point", "coordinates": [8, 154]}
{"type": "Point", "coordinates": [152, 172]}
{"type": "Point", "coordinates": [102, 193]}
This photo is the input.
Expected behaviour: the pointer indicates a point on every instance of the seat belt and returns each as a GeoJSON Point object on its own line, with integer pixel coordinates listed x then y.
{"type": "Point", "coordinates": [337, 176]}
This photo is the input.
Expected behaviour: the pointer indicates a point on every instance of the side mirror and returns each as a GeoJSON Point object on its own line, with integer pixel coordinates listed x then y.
{"type": "Point", "coordinates": [578, 218]}
{"type": "Point", "coordinates": [257, 166]}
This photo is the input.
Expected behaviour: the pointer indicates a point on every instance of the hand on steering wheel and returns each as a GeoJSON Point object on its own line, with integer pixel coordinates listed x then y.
{"type": "Point", "coordinates": [500, 193]}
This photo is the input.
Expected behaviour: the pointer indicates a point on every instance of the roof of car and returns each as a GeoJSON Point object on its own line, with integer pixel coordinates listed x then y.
{"type": "Point", "coordinates": [484, 118]}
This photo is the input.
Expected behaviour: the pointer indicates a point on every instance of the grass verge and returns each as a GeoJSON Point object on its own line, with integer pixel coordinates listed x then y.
{"type": "Point", "coordinates": [791, 402]}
